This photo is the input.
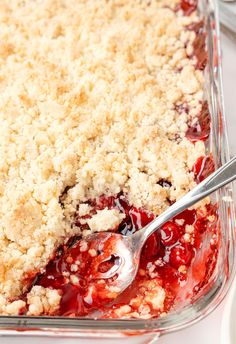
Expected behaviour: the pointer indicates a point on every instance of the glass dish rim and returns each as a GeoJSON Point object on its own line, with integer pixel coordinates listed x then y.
{"type": "Point", "coordinates": [190, 314]}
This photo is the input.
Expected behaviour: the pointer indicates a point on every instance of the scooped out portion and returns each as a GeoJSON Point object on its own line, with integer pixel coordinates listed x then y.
{"type": "Point", "coordinates": [166, 265]}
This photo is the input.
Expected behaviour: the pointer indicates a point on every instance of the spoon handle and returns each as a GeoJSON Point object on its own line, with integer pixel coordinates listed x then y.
{"type": "Point", "coordinates": [224, 175]}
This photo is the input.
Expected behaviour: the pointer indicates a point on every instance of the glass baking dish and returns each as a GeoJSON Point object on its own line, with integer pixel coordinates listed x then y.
{"type": "Point", "coordinates": [145, 331]}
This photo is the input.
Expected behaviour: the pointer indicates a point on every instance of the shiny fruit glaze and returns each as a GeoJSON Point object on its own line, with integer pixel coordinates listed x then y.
{"type": "Point", "coordinates": [181, 254]}
{"type": "Point", "coordinates": [199, 44]}
{"type": "Point", "coordinates": [72, 272]}
{"type": "Point", "coordinates": [170, 233]}
{"type": "Point", "coordinates": [188, 6]}
{"type": "Point", "coordinates": [200, 130]}
{"type": "Point", "coordinates": [203, 167]}
{"type": "Point", "coordinates": [167, 250]}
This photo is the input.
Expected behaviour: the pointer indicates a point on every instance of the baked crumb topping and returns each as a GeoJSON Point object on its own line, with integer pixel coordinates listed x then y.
{"type": "Point", "coordinates": [89, 97]}
{"type": "Point", "coordinates": [42, 301]}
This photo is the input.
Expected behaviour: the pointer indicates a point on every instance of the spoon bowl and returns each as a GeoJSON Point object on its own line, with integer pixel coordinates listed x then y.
{"type": "Point", "coordinates": [117, 260]}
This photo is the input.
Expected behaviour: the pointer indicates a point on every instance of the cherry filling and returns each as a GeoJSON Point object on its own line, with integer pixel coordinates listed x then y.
{"type": "Point", "coordinates": [181, 254]}
{"type": "Point", "coordinates": [73, 272]}
{"type": "Point", "coordinates": [200, 130]}
{"type": "Point", "coordinates": [188, 6]}
{"type": "Point", "coordinates": [199, 44]}
{"type": "Point", "coordinates": [170, 233]}
{"type": "Point", "coordinates": [165, 258]}
{"type": "Point", "coordinates": [203, 167]}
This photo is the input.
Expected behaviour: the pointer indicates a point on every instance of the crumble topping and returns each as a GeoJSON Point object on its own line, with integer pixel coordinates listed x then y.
{"type": "Point", "coordinates": [150, 298]}
{"type": "Point", "coordinates": [104, 220]}
{"type": "Point", "coordinates": [42, 301]}
{"type": "Point", "coordinates": [11, 308]}
{"type": "Point", "coordinates": [88, 107]}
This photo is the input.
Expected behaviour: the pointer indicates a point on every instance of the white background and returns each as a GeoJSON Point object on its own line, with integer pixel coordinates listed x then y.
{"type": "Point", "coordinates": [208, 330]}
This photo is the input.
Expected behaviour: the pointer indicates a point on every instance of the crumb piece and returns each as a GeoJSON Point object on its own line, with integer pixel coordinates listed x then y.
{"type": "Point", "coordinates": [159, 262]}
{"type": "Point", "coordinates": [123, 311]}
{"type": "Point", "coordinates": [141, 272]}
{"type": "Point", "coordinates": [151, 267]}
{"type": "Point", "coordinates": [43, 301]}
{"type": "Point", "coordinates": [11, 308]}
{"type": "Point", "coordinates": [83, 246]}
{"type": "Point", "coordinates": [74, 267]}
{"type": "Point", "coordinates": [188, 82]}
{"type": "Point", "coordinates": [74, 279]}
{"type": "Point", "coordinates": [92, 252]}
{"type": "Point", "coordinates": [114, 289]}
{"type": "Point", "coordinates": [189, 229]}
{"type": "Point", "coordinates": [211, 218]}
{"type": "Point", "coordinates": [105, 220]}
{"type": "Point", "coordinates": [152, 295]}
{"type": "Point", "coordinates": [84, 209]}
{"type": "Point", "coordinates": [14, 307]}
{"type": "Point", "coordinates": [156, 298]}
{"type": "Point", "coordinates": [182, 269]}
{"type": "Point", "coordinates": [179, 222]}
{"type": "Point", "coordinates": [186, 237]}
{"type": "Point", "coordinates": [144, 310]}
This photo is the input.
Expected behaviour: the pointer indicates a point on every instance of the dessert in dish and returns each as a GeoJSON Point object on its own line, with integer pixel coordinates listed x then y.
{"type": "Point", "coordinates": [103, 124]}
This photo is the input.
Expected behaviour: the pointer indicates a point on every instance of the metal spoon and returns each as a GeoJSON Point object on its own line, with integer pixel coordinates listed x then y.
{"type": "Point", "coordinates": [124, 251]}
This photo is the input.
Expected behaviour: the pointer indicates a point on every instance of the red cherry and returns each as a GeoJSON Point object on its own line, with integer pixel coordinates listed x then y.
{"type": "Point", "coordinates": [201, 225]}
{"type": "Point", "coordinates": [181, 255]}
{"type": "Point", "coordinates": [152, 247]}
{"type": "Point", "coordinates": [199, 48]}
{"type": "Point", "coordinates": [105, 202]}
{"type": "Point", "coordinates": [203, 167]}
{"type": "Point", "coordinates": [199, 45]}
{"type": "Point", "coordinates": [201, 128]}
{"type": "Point", "coordinates": [122, 204]}
{"type": "Point", "coordinates": [189, 216]}
{"type": "Point", "coordinates": [197, 241]}
{"type": "Point", "coordinates": [170, 234]}
{"type": "Point", "coordinates": [188, 6]}
{"type": "Point", "coordinates": [140, 218]}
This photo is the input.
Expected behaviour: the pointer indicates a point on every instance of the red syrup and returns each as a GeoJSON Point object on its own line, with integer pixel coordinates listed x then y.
{"type": "Point", "coordinates": [188, 6]}
{"type": "Point", "coordinates": [200, 130]}
{"type": "Point", "coordinates": [199, 44]}
{"type": "Point", "coordinates": [203, 167]}
{"type": "Point", "coordinates": [70, 271]}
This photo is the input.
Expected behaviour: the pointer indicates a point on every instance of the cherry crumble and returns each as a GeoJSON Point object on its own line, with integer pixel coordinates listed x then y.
{"type": "Point", "coordinates": [104, 125]}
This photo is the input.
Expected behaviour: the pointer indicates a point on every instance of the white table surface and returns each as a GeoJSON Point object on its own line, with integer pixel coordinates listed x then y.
{"type": "Point", "coordinates": [208, 330]}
